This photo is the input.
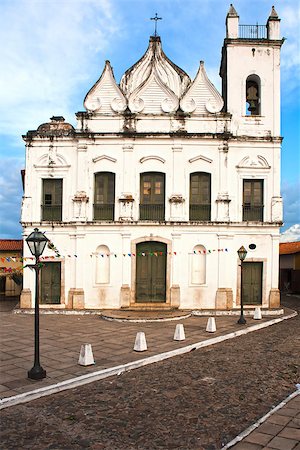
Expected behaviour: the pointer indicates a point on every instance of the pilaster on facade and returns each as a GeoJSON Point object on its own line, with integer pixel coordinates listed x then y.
{"type": "Point", "coordinates": [176, 244]}
{"type": "Point", "coordinates": [223, 199]}
{"type": "Point", "coordinates": [224, 294]}
{"type": "Point", "coordinates": [76, 298]}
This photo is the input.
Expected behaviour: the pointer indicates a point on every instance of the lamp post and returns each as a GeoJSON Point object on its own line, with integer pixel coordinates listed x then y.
{"type": "Point", "coordinates": [36, 242]}
{"type": "Point", "coordinates": [242, 252]}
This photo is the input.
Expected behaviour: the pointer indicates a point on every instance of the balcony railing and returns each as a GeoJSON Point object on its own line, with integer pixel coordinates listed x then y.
{"type": "Point", "coordinates": [253, 213]}
{"type": "Point", "coordinates": [52, 213]}
{"type": "Point", "coordinates": [252, 32]}
{"type": "Point", "coordinates": [104, 211]}
{"type": "Point", "coordinates": [200, 212]}
{"type": "Point", "coordinates": [152, 212]}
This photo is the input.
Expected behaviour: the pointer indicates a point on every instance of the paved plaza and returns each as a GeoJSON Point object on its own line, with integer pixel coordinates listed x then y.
{"type": "Point", "coordinates": [61, 337]}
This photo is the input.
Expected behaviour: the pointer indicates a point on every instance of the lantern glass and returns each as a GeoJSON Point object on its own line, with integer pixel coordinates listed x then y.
{"type": "Point", "coordinates": [36, 242]}
{"type": "Point", "coordinates": [242, 252]}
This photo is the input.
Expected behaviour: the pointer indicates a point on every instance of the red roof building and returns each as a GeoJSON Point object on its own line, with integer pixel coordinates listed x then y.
{"type": "Point", "coordinates": [289, 248]}
{"type": "Point", "coordinates": [15, 245]}
{"type": "Point", "coordinates": [11, 251]}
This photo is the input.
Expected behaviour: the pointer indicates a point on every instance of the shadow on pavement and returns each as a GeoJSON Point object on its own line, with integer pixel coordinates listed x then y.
{"type": "Point", "coordinates": [8, 304]}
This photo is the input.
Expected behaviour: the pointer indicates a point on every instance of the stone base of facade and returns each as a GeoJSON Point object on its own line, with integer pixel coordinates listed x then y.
{"type": "Point", "coordinates": [175, 296]}
{"type": "Point", "coordinates": [75, 299]}
{"type": "Point", "coordinates": [125, 296]}
{"type": "Point", "coordinates": [224, 298]}
{"type": "Point", "coordinates": [25, 299]}
{"type": "Point", "coordinates": [274, 298]}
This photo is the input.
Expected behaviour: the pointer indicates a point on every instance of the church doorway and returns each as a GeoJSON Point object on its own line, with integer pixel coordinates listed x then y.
{"type": "Point", "coordinates": [151, 258]}
{"type": "Point", "coordinates": [252, 283]}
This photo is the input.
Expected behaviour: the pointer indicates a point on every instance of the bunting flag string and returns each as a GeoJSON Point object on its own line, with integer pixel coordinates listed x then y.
{"type": "Point", "coordinates": [52, 247]}
{"type": "Point", "coordinates": [112, 254]}
{"type": "Point", "coordinates": [11, 269]}
{"type": "Point", "coordinates": [44, 259]}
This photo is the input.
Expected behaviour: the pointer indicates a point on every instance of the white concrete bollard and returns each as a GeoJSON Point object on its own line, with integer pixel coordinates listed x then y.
{"type": "Point", "coordinates": [257, 313]}
{"type": "Point", "coordinates": [211, 325]}
{"type": "Point", "coordinates": [179, 333]}
{"type": "Point", "coordinates": [140, 344]}
{"type": "Point", "coordinates": [86, 357]}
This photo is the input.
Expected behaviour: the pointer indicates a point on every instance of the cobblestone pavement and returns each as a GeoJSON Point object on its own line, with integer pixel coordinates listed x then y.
{"type": "Point", "coordinates": [200, 400]}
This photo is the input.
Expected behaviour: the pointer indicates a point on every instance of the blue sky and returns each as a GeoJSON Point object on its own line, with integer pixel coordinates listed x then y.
{"type": "Point", "coordinates": [53, 52]}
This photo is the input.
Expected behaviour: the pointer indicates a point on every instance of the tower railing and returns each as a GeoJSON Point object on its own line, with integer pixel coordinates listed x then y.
{"type": "Point", "coordinates": [252, 32]}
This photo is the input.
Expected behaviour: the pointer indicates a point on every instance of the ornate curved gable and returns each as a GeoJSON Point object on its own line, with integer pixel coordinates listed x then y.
{"type": "Point", "coordinates": [171, 75]}
{"type": "Point", "coordinates": [153, 96]}
{"type": "Point", "coordinates": [201, 97]}
{"type": "Point", "coordinates": [105, 97]}
{"type": "Point", "coordinates": [57, 127]}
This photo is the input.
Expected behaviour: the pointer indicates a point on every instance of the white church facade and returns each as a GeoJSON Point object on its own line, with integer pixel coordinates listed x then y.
{"type": "Point", "coordinates": [149, 197]}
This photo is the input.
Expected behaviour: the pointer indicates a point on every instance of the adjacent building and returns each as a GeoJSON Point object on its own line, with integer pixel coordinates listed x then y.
{"type": "Point", "coordinates": [11, 266]}
{"type": "Point", "coordinates": [163, 179]}
{"type": "Point", "coordinates": [289, 267]}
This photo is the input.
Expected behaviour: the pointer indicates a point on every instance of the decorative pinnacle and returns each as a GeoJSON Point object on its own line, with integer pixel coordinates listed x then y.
{"type": "Point", "coordinates": [273, 14]}
{"type": "Point", "coordinates": [232, 11]}
{"type": "Point", "coordinates": [156, 18]}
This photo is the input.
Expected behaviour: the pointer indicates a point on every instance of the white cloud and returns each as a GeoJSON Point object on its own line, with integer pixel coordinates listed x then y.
{"type": "Point", "coordinates": [47, 55]}
{"type": "Point", "coordinates": [292, 234]}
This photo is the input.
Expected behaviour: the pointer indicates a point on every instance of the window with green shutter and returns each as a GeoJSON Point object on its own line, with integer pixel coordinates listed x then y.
{"type": "Point", "coordinates": [152, 196]}
{"type": "Point", "coordinates": [52, 199]}
{"type": "Point", "coordinates": [104, 196]}
{"type": "Point", "coordinates": [200, 196]}
{"type": "Point", "coordinates": [253, 207]}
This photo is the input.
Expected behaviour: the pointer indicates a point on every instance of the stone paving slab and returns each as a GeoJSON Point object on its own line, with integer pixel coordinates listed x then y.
{"type": "Point", "coordinates": [279, 429]}
{"type": "Point", "coordinates": [61, 337]}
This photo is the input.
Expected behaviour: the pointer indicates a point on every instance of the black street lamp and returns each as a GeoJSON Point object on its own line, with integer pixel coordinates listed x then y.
{"type": "Point", "coordinates": [242, 252]}
{"type": "Point", "coordinates": [36, 242]}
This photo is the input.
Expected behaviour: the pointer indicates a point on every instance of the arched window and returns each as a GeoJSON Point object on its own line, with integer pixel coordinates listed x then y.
{"type": "Point", "coordinates": [200, 196]}
{"type": "Point", "coordinates": [198, 266]}
{"type": "Point", "coordinates": [253, 95]}
{"type": "Point", "coordinates": [102, 265]}
{"type": "Point", "coordinates": [152, 196]}
{"type": "Point", "coordinates": [104, 196]}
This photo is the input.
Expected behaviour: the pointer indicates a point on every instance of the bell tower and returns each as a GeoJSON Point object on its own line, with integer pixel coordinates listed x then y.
{"type": "Point", "coordinates": [250, 72]}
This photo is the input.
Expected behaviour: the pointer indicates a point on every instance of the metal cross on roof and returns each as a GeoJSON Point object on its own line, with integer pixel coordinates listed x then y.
{"type": "Point", "coordinates": [156, 18]}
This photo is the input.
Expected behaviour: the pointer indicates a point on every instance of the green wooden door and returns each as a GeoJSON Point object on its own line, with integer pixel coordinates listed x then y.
{"type": "Point", "coordinates": [50, 283]}
{"type": "Point", "coordinates": [151, 272]}
{"type": "Point", "coordinates": [252, 283]}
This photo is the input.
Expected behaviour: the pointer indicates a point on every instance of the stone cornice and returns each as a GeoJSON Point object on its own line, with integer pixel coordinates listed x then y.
{"type": "Point", "coordinates": [260, 42]}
